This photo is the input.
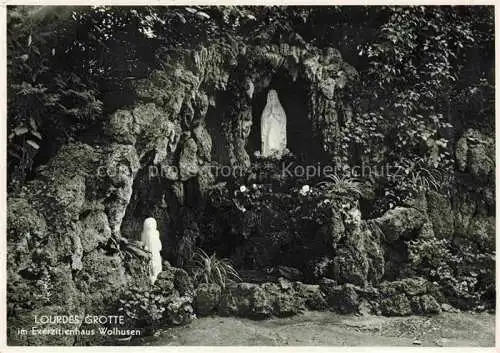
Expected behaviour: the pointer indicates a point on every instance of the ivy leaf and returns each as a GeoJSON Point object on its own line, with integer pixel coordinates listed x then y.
{"type": "Point", "coordinates": [202, 15]}
{"type": "Point", "coordinates": [33, 144]}
{"type": "Point", "coordinates": [33, 124]}
{"type": "Point", "coordinates": [21, 130]}
{"type": "Point", "coordinates": [36, 134]}
{"type": "Point", "coordinates": [181, 17]}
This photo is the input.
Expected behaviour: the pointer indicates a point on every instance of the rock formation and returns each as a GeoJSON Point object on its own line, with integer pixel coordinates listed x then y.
{"type": "Point", "coordinates": [71, 230]}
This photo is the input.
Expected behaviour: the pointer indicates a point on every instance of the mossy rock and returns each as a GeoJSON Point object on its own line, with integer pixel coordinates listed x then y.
{"type": "Point", "coordinates": [441, 215]}
{"type": "Point", "coordinates": [207, 298]}
{"type": "Point", "coordinates": [397, 305]}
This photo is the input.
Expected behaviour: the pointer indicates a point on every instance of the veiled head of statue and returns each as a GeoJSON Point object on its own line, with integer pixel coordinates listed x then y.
{"type": "Point", "coordinates": [272, 95]}
{"type": "Point", "coordinates": [150, 224]}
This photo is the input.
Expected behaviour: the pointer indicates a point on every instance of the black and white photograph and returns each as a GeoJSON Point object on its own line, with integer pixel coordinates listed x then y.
{"type": "Point", "coordinates": [235, 175]}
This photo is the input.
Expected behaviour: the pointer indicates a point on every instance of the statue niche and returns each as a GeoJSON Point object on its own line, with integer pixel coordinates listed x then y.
{"type": "Point", "coordinates": [273, 128]}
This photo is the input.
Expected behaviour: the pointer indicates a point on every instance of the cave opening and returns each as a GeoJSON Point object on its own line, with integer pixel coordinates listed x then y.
{"type": "Point", "coordinates": [214, 120]}
{"type": "Point", "coordinates": [293, 97]}
{"type": "Point", "coordinates": [236, 234]}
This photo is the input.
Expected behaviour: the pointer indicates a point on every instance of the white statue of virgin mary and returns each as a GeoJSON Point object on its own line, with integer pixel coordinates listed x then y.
{"type": "Point", "coordinates": [273, 127]}
{"type": "Point", "coordinates": [150, 237]}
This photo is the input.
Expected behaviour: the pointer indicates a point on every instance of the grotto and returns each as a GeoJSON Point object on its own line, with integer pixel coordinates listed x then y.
{"type": "Point", "coordinates": [253, 243]}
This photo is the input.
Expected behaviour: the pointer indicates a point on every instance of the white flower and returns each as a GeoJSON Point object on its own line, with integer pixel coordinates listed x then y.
{"type": "Point", "coordinates": [355, 215]}
{"type": "Point", "coordinates": [148, 32]}
{"type": "Point", "coordinates": [254, 186]}
{"type": "Point", "coordinates": [305, 190]}
{"type": "Point", "coordinates": [243, 188]}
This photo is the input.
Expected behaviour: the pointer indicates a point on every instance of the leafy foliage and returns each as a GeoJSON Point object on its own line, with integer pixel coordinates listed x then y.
{"type": "Point", "coordinates": [415, 68]}
{"type": "Point", "coordinates": [46, 103]}
{"type": "Point", "coordinates": [409, 180]}
{"type": "Point", "coordinates": [266, 225]}
{"type": "Point", "coordinates": [466, 275]}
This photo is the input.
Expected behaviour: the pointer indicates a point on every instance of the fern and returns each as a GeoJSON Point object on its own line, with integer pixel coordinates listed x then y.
{"type": "Point", "coordinates": [427, 179]}
{"type": "Point", "coordinates": [210, 269]}
{"type": "Point", "coordinates": [341, 186]}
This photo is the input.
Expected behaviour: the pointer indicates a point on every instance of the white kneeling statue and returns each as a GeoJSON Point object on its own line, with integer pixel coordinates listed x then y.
{"type": "Point", "coordinates": [273, 127]}
{"type": "Point", "coordinates": [150, 237]}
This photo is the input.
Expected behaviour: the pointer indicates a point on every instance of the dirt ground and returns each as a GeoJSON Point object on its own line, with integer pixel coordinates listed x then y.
{"type": "Point", "coordinates": [326, 328]}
